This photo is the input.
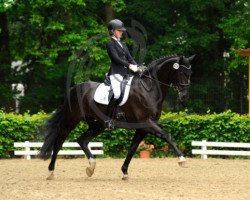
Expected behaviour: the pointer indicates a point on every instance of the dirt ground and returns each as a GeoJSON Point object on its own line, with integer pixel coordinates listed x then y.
{"type": "Point", "coordinates": [154, 179]}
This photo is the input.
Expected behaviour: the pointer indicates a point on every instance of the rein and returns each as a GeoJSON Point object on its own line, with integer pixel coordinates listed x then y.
{"type": "Point", "coordinates": [160, 82]}
{"type": "Point", "coordinates": [169, 85]}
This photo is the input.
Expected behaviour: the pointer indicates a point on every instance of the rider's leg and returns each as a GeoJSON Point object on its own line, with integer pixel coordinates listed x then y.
{"type": "Point", "coordinates": [115, 80]}
{"type": "Point", "coordinates": [111, 107]}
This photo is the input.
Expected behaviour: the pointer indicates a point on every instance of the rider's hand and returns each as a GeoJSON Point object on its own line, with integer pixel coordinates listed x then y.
{"type": "Point", "coordinates": [141, 68]}
{"type": "Point", "coordinates": [134, 68]}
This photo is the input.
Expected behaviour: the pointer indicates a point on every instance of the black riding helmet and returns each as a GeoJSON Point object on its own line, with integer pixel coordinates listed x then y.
{"type": "Point", "coordinates": [115, 24]}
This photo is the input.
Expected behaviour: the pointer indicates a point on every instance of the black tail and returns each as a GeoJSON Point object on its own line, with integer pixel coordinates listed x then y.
{"type": "Point", "coordinates": [52, 130]}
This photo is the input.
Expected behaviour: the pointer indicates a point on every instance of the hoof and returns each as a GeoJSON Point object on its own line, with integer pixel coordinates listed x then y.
{"type": "Point", "coordinates": [89, 171]}
{"type": "Point", "coordinates": [51, 176]}
{"type": "Point", "coordinates": [182, 162]}
{"type": "Point", "coordinates": [125, 177]}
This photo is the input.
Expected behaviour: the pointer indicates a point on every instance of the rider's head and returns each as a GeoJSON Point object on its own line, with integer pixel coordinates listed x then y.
{"type": "Point", "coordinates": [116, 28]}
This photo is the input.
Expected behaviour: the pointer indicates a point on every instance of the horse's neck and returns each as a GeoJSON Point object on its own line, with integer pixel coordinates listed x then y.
{"type": "Point", "coordinates": [158, 91]}
{"type": "Point", "coordinates": [162, 82]}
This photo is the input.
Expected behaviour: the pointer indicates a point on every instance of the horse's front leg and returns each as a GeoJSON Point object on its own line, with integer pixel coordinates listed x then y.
{"type": "Point", "coordinates": [160, 133]}
{"type": "Point", "coordinates": [138, 137]}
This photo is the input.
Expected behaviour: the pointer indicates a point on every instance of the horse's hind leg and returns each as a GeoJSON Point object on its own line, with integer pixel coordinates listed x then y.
{"type": "Point", "coordinates": [138, 137]}
{"type": "Point", "coordinates": [95, 128]}
{"type": "Point", "coordinates": [57, 146]}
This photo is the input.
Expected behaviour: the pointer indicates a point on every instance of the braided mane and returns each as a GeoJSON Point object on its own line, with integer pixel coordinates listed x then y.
{"type": "Point", "coordinates": [158, 61]}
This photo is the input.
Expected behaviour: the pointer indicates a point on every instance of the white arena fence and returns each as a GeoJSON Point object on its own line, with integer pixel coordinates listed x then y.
{"type": "Point", "coordinates": [28, 151]}
{"type": "Point", "coordinates": [204, 152]}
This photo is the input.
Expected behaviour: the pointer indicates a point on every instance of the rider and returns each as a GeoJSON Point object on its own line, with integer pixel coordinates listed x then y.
{"type": "Point", "coordinates": [121, 61]}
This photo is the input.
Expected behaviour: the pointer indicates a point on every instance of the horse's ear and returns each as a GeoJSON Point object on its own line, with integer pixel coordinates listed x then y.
{"type": "Point", "coordinates": [181, 59]}
{"type": "Point", "coordinates": [191, 58]}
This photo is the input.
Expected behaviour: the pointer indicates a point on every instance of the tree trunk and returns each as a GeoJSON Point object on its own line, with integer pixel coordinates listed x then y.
{"type": "Point", "coordinates": [109, 12]}
{"type": "Point", "coordinates": [5, 64]}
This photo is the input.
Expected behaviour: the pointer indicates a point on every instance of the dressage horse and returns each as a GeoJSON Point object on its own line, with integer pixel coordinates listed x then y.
{"type": "Point", "coordinates": [142, 110]}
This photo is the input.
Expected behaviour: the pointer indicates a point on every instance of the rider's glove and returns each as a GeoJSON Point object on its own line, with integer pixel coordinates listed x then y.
{"type": "Point", "coordinates": [134, 68]}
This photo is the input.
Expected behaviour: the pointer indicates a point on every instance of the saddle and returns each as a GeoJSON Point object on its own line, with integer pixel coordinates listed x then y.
{"type": "Point", "coordinates": [104, 91]}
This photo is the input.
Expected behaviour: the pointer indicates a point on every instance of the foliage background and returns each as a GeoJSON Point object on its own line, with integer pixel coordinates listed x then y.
{"type": "Point", "coordinates": [46, 35]}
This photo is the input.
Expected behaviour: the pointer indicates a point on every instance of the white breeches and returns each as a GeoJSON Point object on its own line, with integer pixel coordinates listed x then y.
{"type": "Point", "coordinates": [116, 80]}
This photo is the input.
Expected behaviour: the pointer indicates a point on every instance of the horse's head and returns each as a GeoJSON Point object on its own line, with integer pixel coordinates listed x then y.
{"type": "Point", "coordinates": [181, 74]}
{"type": "Point", "coordinates": [172, 70]}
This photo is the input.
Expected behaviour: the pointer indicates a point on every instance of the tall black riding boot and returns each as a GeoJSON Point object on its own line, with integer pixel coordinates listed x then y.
{"type": "Point", "coordinates": [110, 111]}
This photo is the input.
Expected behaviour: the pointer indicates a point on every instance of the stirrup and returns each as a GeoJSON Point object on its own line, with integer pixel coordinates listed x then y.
{"type": "Point", "coordinates": [110, 123]}
{"type": "Point", "coordinates": [120, 115]}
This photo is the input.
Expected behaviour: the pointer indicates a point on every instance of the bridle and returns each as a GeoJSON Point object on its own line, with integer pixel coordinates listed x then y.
{"type": "Point", "coordinates": [160, 82]}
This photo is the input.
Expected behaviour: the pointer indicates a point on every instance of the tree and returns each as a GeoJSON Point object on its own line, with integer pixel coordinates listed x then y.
{"type": "Point", "coordinates": [49, 37]}
{"type": "Point", "coordinates": [191, 27]}
{"type": "Point", "coordinates": [45, 36]}
{"type": "Point", "coordinates": [6, 100]}
{"type": "Point", "coordinates": [236, 29]}
{"type": "Point", "coordinates": [62, 43]}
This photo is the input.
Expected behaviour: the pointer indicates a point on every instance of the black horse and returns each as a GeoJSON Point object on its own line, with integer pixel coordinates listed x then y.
{"type": "Point", "coordinates": [142, 111]}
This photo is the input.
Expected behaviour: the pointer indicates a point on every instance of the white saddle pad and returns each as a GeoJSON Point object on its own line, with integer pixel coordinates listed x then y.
{"type": "Point", "coordinates": [102, 93]}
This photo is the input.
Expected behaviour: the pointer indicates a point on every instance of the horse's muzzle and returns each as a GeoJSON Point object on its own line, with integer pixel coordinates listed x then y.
{"type": "Point", "coordinates": [183, 94]}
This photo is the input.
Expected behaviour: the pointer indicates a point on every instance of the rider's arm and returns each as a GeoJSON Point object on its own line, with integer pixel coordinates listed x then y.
{"type": "Point", "coordinates": [114, 56]}
{"type": "Point", "coordinates": [129, 57]}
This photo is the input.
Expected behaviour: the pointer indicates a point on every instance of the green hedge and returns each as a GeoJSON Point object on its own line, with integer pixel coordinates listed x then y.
{"type": "Point", "coordinates": [18, 128]}
{"type": "Point", "coordinates": [223, 127]}
{"type": "Point", "coordinates": [183, 128]}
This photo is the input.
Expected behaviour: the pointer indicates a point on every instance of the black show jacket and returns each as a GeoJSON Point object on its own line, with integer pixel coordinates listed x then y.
{"type": "Point", "coordinates": [120, 58]}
